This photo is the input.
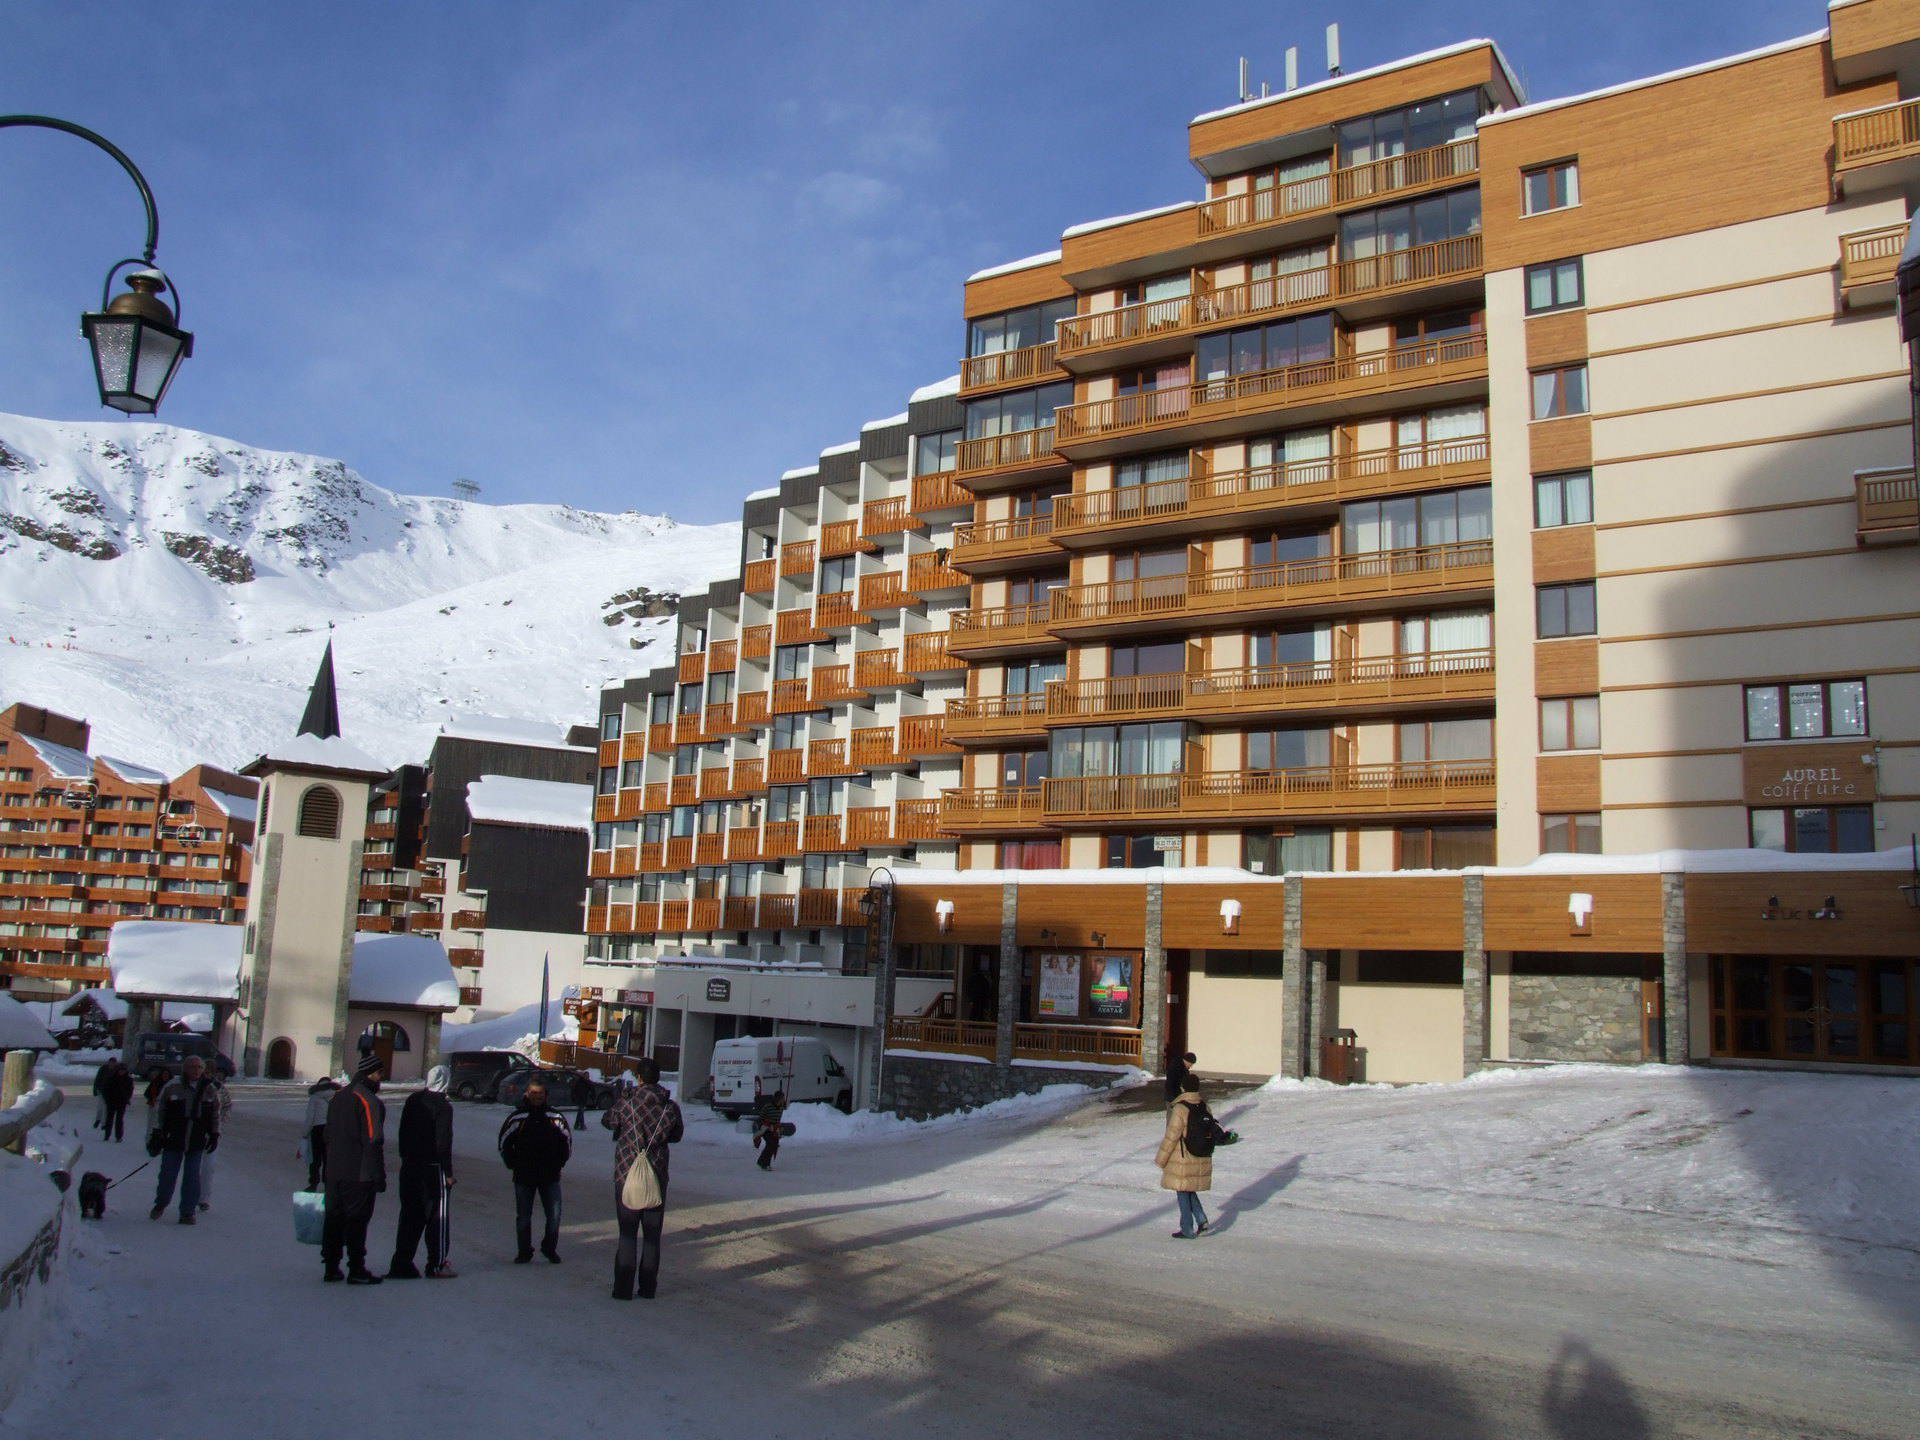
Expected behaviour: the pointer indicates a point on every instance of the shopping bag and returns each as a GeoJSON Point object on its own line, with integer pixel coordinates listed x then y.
{"type": "Point", "coordinates": [309, 1216]}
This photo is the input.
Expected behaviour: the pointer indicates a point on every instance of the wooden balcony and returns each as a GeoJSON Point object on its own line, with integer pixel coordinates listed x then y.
{"type": "Point", "coordinates": [1317, 389]}
{"type": "Point", "coordinates": [878, 670]}
{"type": "Point", "coordinates": [796, 627]}
{"type": "Point", "coordinates": [1876, 147]}
{"type": "Point", "coordinates": [673, 916]}
{"type": "Point", "coordinates": [1868, 260]}
{"type": "Point", "coordinates": [426, 920]}
{"type": "Point", "coordinates": [1393, 177]}
{"type": "Point", "coordinates": [704, 914]}
{"type": "Point", "coordinates": [633, 745]}
{"type": "Point", "coordinates": [600, 865]}
{"type": "Point", "coordinates": [660, 737]}
{"type": "Point", "coordinates": [928, 572]}
{"type": "Point", "coordinates": [877, 747]}
{"type": "Point", "coordinates": [689, 727]}
{"type": "Point", "coordinates": [1400, 788]}
{"type": "Point", "coordinates": [995, 462]}
{"type": "Point", "coordinates": [996, 810]}
{"type": "Point", "coordinates": [869, 825]}
{"type": "Point", "coordinates": [923, 735]}
{"type": "Point", "coordinates": [739, 913]}
{"type": "Point", "coordinates": [883, 590]}
{"type": "Point", "coordinates": [946, 1037]}
{"type": "Point", "coordinates": [889, 516]}
{"type": "Point", "coordinates": [1371, 580]}
{"type": "Point", "coordinates": [751, 708]}
{"type": "Point", "coordinates": [818, 907]}
{"type": "Point", "coordinates": [786, 767]}
{"type": "Point", "coordinates": [680, 852]}
{"type": "Point", "coordinates": [992, 545]}
{"type": "Point", "coordinates": [692, 668]}
{"type": "Point", "coordinates": [378, 924]}
{"type": "Point", "coordinates": [1165, 327]}
{"type": "Point", "coordinates": [658, 795]}
{"type": "Point", "coordinates": [991, 719]}
{"type": "Point", "coordinates": [469, 920]}
{"type": "Point", "coordinates": [710, 849]}
{"type": "Point", "coordinates": [684, 789]}
{"type": "Point", "coordinates": [916, 819]}
{"type": "Point", "coordinates": [749, 775]}
{"type": "Point", "coordinates": [777, 912]}
{"type": "Point", "coordinates": [467, 957]}
{"type": "Point", "coordinates": [653, 855]}
{"type": "Point", "coordinates": [941, 491]}
{"type": "Point", "coordinates": [928, 652]}
{"type": "Point", "coordinates": [1888, 508]}
{"type": "Point", "coordinates": [1000, 630]}
{"type": "Point", "coordinates": [1033, 365]}
{"type": "Point", "coordinates": [743, 844]}
{"type": "Point", "coordinates": [842, 537]}
{"type": "Point", "coordinates": [433, 885]}
{"type": "Point", "coordinates": [717, 720]}
{"type": "Point", "coordinates": [829, 757]}
{"type": "Point", "coordinates": [835, 611]}
{"type": "Point", "coordinates": [833, 685]}
{"type": "Point", "coordinates": [646, 917]}
{"type": "Point", "coordinates": [609, 755]}
{"type": "Point", "coordinates": [822, 834]}
{"type": "Point", "coordinates": [797, 558]}
{"type": "Point", "coordinates": [780, 839]}
{"type": "Point", "coordinates": [1235, 498]}
{"type": "Point", "coordinates": [1391, 682]}
{"type": "Point", "coordinates": [723, 655]}
{"type": "Point", "coordinates": [760, 576]}
{"type": "Point", "coordinates": [756, 642]}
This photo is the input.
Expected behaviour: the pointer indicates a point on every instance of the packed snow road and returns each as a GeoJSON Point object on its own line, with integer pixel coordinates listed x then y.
{"type": "Point", "coordinates": [1009, 1277]}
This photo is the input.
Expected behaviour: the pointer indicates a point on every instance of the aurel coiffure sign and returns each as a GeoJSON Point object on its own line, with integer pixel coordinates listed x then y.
{"type": "Point", "coordinates": [1830, 773]}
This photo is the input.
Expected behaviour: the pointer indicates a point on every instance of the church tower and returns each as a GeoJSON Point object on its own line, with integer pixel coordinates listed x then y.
{"type": "Point", "coordinates": [297, 953]}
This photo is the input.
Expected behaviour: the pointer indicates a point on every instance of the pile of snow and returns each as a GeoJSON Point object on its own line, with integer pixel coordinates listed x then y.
{"type": "Point", "coordinates": [20, 1028]}
{"type": "Point", "coordinates": [817, 1122]}
{"type": "Point", "coordinates": [509, 800]}
{"type": "Point", "coordinates": [183, 959]}
{"type": "Point", "coordinates": [509, 730]}
{"type": "Point", "coordinates": [175, 589]}
{"type": "Point", "coordinates": [515, 1030]}
{"type": "Point", "coordinates": [402, 970]}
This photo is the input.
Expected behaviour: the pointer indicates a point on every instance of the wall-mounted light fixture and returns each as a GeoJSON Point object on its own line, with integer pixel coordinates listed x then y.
{"type": "Point", "coordinates": [1229, 916]}
{"type": "Point", "coordinates": [1099, 937]}
{"type": "Point", "coordinates": [943, 914]}
{"type": "Point", "coordinates": [1046, 935]}
{"type": "Point", "coordinates": [1580, 912]}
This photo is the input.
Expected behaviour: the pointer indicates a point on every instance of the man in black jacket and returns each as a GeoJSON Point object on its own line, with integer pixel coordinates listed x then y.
{"type": "Point", "coordinates": [536, 1144]}
{"type": "Point", "coordinates": [184, 1127]}
{"type": "Point", "coordinates": [116, 1093]}
{"type": "Point", "coordinates": [426, 1170]}
{"type": "Point", "coordinates": [356, 1171]}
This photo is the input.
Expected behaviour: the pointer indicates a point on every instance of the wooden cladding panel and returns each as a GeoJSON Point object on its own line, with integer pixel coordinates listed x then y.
{"type": "Point", "coordinates": [1565, 444]}
{"type": "Point", "coordinates": [1556, 339]}
{"type": "Point", "coordinates": [1190, 916]}
{"type": "Point", "coordinates": [1724, 915]}
{"type": "Point", "coordinates": [1021, 287]}
{"type": "Point", "coordinates": [1075, 913]}
{"type": "Point", "coordinates": [1247, 126]}
{"type": "Point", "coordinates": [1566, 667]}
{"type": "Point", "coordinates": [1529, 912]}
{"type": "Point", "coordinates": [1401, 912]}
{"type": "Point", "coordinates": [1698, 152]}
{"type": "Point", "coordinates": [1568, 784]}
{"type": "Point", "coordinates": [1563, 553]}
{"type": "Point", "coordinates": [1119, 243]}
{"type": "Point", "coordinates": [1862, 28]}
{"type": "Point", "coordinates": [976, 914]}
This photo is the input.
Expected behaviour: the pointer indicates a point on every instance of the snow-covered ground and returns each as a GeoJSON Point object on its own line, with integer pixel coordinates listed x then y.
{"type": "Point", "coordinates": [1567, 1252]}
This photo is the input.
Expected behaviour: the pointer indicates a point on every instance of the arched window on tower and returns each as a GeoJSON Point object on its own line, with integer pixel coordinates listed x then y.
{"type": "Point", "coordinates": [320, 813]}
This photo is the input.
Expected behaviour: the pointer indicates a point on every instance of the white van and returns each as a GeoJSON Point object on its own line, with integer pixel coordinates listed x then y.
{"type": "Point", "coordinates": [801, 1065]}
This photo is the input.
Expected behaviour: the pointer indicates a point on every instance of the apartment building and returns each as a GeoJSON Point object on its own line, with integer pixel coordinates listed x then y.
{"type": "Point", "coordinates": [88, 840]}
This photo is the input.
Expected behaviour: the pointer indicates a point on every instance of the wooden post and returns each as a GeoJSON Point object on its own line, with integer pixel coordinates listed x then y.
{"type": "Point", "coordinates": [15, 1082]}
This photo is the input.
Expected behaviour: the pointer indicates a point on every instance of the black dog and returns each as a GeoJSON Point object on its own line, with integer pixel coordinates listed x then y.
{"type": "Point", "coordinates": [93, 1196]}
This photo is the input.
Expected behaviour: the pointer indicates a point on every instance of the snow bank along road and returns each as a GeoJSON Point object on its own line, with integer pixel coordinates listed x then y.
{"type": "Point", "coordinates": [1459, 1261]}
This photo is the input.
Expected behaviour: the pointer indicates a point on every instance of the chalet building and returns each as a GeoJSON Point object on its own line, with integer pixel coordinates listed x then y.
{"type": "Point", "coordinates": [1442, 594]}
{"type": "Point", "coordinates": [89, 840]}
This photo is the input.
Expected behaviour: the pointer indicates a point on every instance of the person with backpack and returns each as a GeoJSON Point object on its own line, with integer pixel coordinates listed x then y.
{"type": "Point", "coordinates": [645, 1120]}
{"type": "Point", "coordinates": [1185, 1158]}
{"type": "Point", "coordinates": [183, 1128]}
{"type": "Point", "coordinates": [768, 1116]}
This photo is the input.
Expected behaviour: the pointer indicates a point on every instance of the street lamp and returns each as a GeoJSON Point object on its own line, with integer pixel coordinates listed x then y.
{"type": "Point", "coordinates": [136, 337]}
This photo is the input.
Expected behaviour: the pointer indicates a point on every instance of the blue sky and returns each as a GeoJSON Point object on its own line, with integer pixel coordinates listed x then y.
{"type": "Point", "coordinates": [635, 255]}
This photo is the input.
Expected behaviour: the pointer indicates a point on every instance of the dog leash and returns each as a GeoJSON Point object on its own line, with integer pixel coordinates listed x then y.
{"type": "Point", "coordinates": [130, 1174]}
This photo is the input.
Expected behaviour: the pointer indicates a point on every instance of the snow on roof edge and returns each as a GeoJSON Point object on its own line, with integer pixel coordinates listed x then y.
{"type": "Point", "coordinates": [1458, 47]}
{"type": "Point", "coordinates": [798, 473]}
{"type": "Point", "coordinates": [1684, 72]}
{"type": "Point", "coordinates": [939, 389]}
{"type": "Point", "coordinates": [769, 493]}
{"type": "Point", "coordinates": [79, 764]}
{"type": "Point", "coordinates": [846, 449]}
{"type": "Point", "coordinates": [136, 773]}
{"type": "Point", "coordinates": [1088, 227]}
{"type": "Point", "coordinates": [1031, 262]}
{"type": "Point", "coordinates": [887, 423]}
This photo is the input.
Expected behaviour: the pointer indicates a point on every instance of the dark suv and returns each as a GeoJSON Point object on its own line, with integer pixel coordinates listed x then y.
{"type": "Point", "coordinates": [566, 1088]}
{"type": "Point", "coordinates": [476, 1074]}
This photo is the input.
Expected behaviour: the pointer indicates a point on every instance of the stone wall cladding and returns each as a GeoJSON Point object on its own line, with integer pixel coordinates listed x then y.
{"type": "Point", "coordinates": [1575, 1017]}
{"type": "Point", "coordinates": [919, 1088]}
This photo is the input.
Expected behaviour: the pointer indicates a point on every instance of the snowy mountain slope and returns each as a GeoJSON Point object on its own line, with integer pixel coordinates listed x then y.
{"type": "Point", "coordinates": [175, 589]}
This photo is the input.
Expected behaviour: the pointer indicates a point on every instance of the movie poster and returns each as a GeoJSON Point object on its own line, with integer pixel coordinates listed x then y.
{"type": "Point", "coordinates": [1112, 993]}
{"type": "Point", "coordinates": [1060, 986]}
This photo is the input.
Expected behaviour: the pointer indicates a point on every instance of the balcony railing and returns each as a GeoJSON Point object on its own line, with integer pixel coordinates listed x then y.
{"type": "Point", "coordinates": [939, 492]}
{"type": "Point", "coordinates": [875, 746]}
{"type": "Point", "coordinates": [916, 819]}
{"type": "Point", "coordinates": [1889, 132]}
{"type": "Point", "coordinates": [883, 590]}
{"type": "Point", "coordinates": [796, 627]}
{"type": "Point", "coordinates": [927, 651]}
{"type": "Point", "coordinates": [996, 807]}
{"type": "Point", "coordinates": [751, 708]}
{"type": "Point", "coordinates": [1314, 289]}
{"type": "Point", "coordinates": [797, 558]}
{"type": "Point", "coordinates": [692, 668]}
{"type": "Point", "coordinates": [1421, 570]}
{"type": "Point", "coordinates": [1090, 1044]}
{"type": "Point", "coordinates": [977, 718]}
{"type": "Point", "coordinates": [1871, 257]}
{"type": "Point", "coordinates": [997, 625]}
{"type": "Point", "coordinates": [1261, 689]}
{"type": "Point", "coordinates": [760, 576]}
{"type": "Point", "coordinates": [925, 735]}
{"type": "Point", "coordinates": [878, 669]}
{"type": "Point", "coordinates": [1236, 493]}
{"type": "Point", "coordinates": [984, 540]}
{"type": "Point", "coordinates": [790, 697]}
{"type": "Point", "coordinates": [723, 655]}
{"type": "Point", "coordinates": [841, 537]}
{"type": "Point", "coordinates": [756, 642]}
{"type": "Point", "coordinates": [1007, 367]}
{"type": "Point", "coordinates": [1430, 363]}
{"type": "Point", "coordinates": [835, 611]}
{"type": "Point", "coordinates": [996, 454]}
{"type": "Point", "coordinates": [1374, 181]}
{"type": "Point", "coordinates": [1888, 506]}
{"type": "Point", "coordinates": [927, 571]}
{"type": "Point", "coordinates": [888, 517]}
{"type": "Point", "coordinates": [1418, 786]}
{"type": "Point", "coordinates": [828, 757]}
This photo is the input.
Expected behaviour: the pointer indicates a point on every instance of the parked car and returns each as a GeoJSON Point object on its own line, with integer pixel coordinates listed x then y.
{"type": "Point", "coordinates": [566, 1087]}
{"type": "Point", "coordinates": [171, 1047]}
{"type": "Point", "coordinates": [745, 1068]}
{"type": "Point", "coordinates": [476, 1074]}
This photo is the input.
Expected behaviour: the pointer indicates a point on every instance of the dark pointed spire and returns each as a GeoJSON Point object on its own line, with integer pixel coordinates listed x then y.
{"type": "Point", "coordinates": [322, 717]}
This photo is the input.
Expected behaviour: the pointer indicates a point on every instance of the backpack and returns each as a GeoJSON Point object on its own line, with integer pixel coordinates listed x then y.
{"type": "Point", "coordinates": [1203, 1131]}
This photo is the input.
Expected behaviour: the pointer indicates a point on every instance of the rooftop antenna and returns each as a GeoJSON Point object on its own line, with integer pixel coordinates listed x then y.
{"type": "Point", "coordinates": [1245, 94]}
{"type": "Point", "coordinates": [1333, 50]}
{"type": "Point", "coordinates": [464, 489]}
{"type": "Point", "coordinates": [1293, 67]}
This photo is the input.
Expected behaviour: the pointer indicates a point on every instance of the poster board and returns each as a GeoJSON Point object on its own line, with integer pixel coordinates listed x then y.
{"type": "Point", "coordinates": [1059, 996]}
{"type": "Point", "coordinates": [1110, 996]}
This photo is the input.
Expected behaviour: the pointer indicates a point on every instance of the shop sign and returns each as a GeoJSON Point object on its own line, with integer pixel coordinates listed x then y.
{"type": "Point", "coordinates": [1060, 985]}
{"type": "Point", "coordinates": [1829, 773]}
{"type": "Point", "coordinates": [634, 997]}
{"type": "Point", "coordinates": [718, 989]}
{"type": "Point", "coordinates": [1111, 997]}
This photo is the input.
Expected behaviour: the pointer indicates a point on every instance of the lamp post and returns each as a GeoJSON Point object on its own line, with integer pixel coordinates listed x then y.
{"type": "Point", "coordinates": [136, 337]}
{"type": "Point", "coordinates": [877, 904]}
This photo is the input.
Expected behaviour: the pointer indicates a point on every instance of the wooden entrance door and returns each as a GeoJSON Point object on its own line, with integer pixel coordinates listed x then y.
{"type": "Point", "coordinates": [1179, 987]}
{"type": "Point", "coordinates": [1840, 1009]}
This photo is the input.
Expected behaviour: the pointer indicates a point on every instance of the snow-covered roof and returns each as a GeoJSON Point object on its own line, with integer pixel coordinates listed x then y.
{"type": "Point", "coordinates": [19, 1030]}
{"type": "Point", "coordinates": [310, 752]}
{"type": "Point", "coordinates": [1626, 85]}
{"type": "Point", "coordinates": [799, 473]}
{"type": "Point", "coordinates": [509, 800]}
{"type": "Point", "coordinates": [938, 390]}
{"type": "Point", "coordinates": [899, 419]}
{"type": "Point", "coordinates": [846, 449]}
{"type": "Point", "coordinates": [135, 774]}
{"type": "Point", "coordinates": [175, 959]}
{"type": "Point", "coordinates": [1031, 262]}
{"type": "Point", "coordinates": [767, 494]}
{"type": "Point", "coordinates": [402, 970]}
{"type": "Point", "coordinates": [63, 760]}
{"type": "Point", "coordinates": [240, 807]}
{"type": "Point", "coordinates": [111, 1005]}
{"type": "Point", "coordinates": [1457, 48]}
{"type": "Point", "coordinates": [1087, 227]}
{"type": "Point", "coordinates": [507, 730]}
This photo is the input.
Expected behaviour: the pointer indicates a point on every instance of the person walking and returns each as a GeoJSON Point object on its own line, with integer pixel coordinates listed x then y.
{"type": "Point", "coordinates": [116, 1094]}
{"type": "Point", "coordinates": [157, 1079]}
{"type": "Point", "coordinates": [426, 1172]}
{"type": "Point", "coordinates": [644, 1121]}
{"type": "Point", "coordinates": [319, 1096]}
{"type": "Point", "coordinates": [218, 1085]}
{"type": "Point", "coordinates": [1180, 1075]}
{"type": "Point", "coordinates": [183, 1128]}
{"type": "Point", "coordinates": [536, 1143]}
{"type": "Point", "coordinates": [356, 1171]}
{"type": "Point", "coordinates": [768, 1111]}
{"type": "Point", "coordinates": [1181, 1171]}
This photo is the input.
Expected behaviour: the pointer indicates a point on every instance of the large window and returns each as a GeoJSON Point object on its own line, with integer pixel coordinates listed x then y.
{"type": "Point", "coordinates": [1421, 126]}
{"type": "Point", "coordinates": [1149, 748]}
{"type": "Point", "coordinates": [1814, 829]}
{"type": "Point", "coordinates": [1030, 854]}
{"type": "Point", "coordinates": [1139, 852]}
{"type": "Point", "coordinates": [1565, 610]}
{"type": "Point", "coordinates": [786, 802]}
{"type": "Point", "coordinates": [1444, 847]}
{"type": "Point", "coordinates": [1806, 711]}
{"type": "Point", "coordinates": [1559, 392]}
{"type": "Point", "coordinates": [1024, 767]}
{"type": "Point", "coordinates": [1016, 329]}
{"type": "Point", "coordinates": [1434, 637]}
{"type": "Point", "coordinates": [789, 662]}
{"type": "Point", "coordinates": [1308, 847]}
{"type": "Point", "coordinates": [1017, 410]}
{"type": "Point", "coordinates": [1564, 499]}
{"type": "Point", "coordinates": [1439, 435]}
{"type": "Point", "coordinates": [1569, 834]}
{"type": "Point", "coordinates": [1467, 738]}
{"type": "Point", "coordinates": [1150, 469]}
{"type": "Point", "coordinates": [1301, 456]}
{"type": "Point", "coordinates": [1289, 747]}
{"type": "Point", "coordinates": [1549, 187]}
{"type": "Point", "coordinates": [1263, 347]}
{"type": "Point", "coordinates": [1031, 677]}
{"type": "Point", "coordinates": [1444, 517]}
{"type": "Point", "coordinates": [1556, 285]}
{"type": "Point", "coordinates": [936, 453]}
{"type": "Point", "coordinates": [1570, 722]}
{"type": "Point", "coordinates": [1393, 228]}
{"type": "Point", "coordinates": [1147, 657]}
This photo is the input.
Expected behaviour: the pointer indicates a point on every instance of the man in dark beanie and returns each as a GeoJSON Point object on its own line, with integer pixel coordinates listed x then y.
{"type": "Point", "coordinates": [356, 1171]}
